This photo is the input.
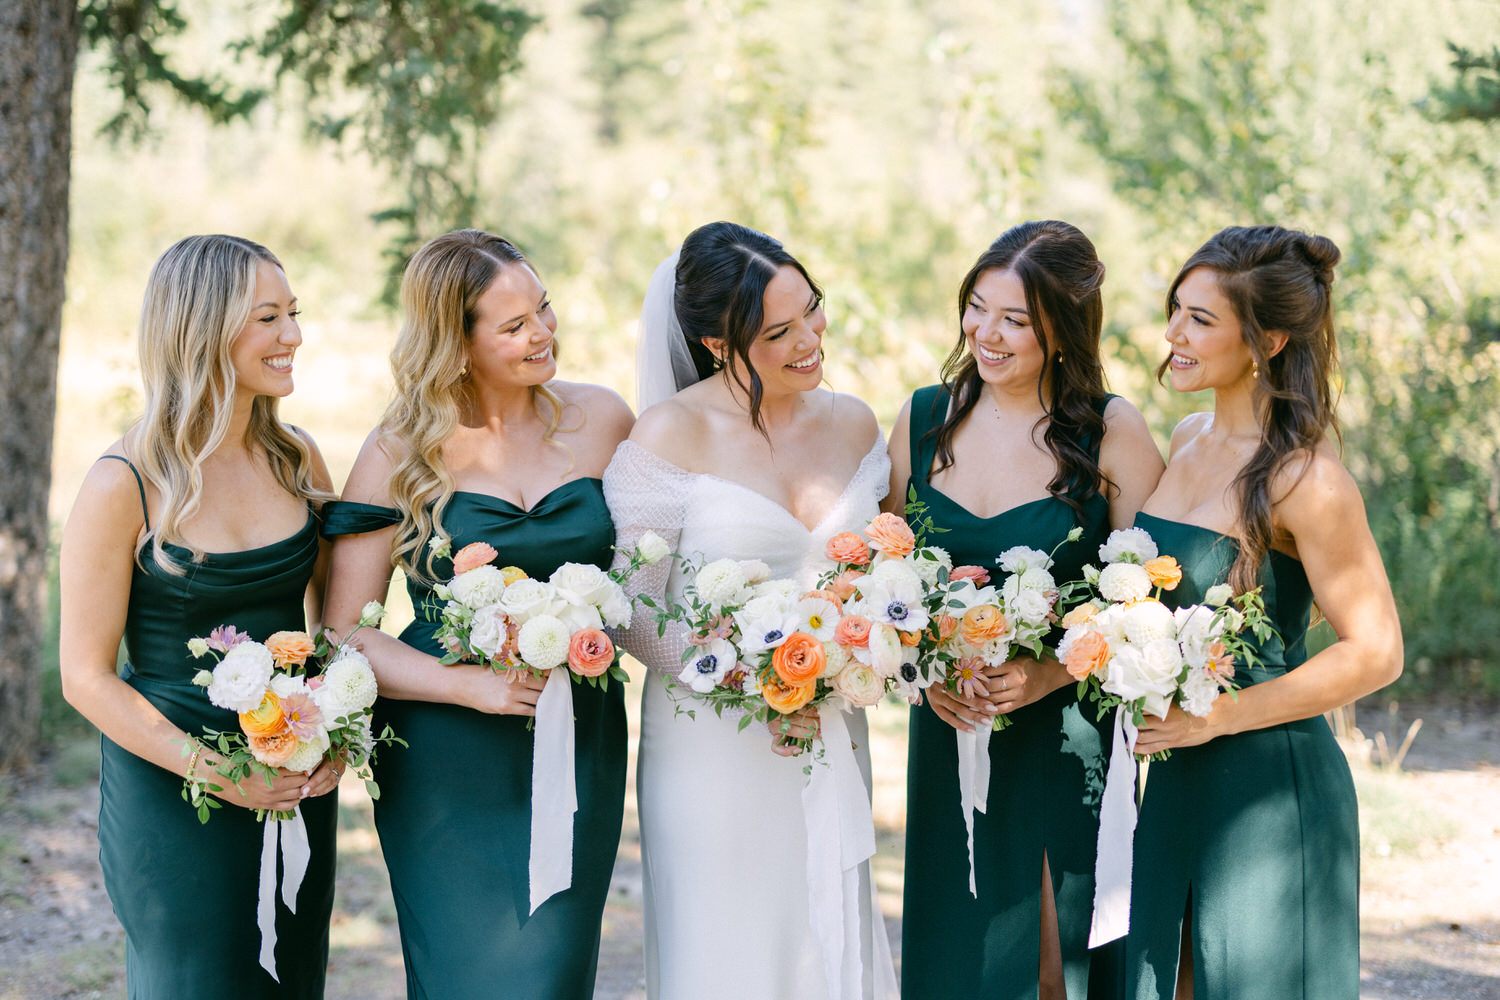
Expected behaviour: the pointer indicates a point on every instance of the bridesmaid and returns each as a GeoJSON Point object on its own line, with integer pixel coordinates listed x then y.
{"type": "Point", "coordinates": [202, 516]}
{"type": "Point", "coordinates": [1247, 849]}
{"type": "Point", "coordinates": [1019, 445]}
{"type": "Point", "coordinates": [481, 444]}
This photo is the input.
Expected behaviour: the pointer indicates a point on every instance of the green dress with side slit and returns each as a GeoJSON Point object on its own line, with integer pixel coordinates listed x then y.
{"type": "Point", "coordinates": [1254, 837]}
{"type": "Point", "coordinates": [185, 891]}
{"type": "Point", "coordinates": [1046, 779]}
{"type": "Point", "coordinates": [454, 814]}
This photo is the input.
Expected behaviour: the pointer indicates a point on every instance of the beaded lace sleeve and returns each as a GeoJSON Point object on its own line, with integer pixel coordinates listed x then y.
{"type": "Point", "coordinates": [647, 493]}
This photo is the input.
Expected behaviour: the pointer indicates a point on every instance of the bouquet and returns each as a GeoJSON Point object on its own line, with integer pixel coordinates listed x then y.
{"type": "Point", "coordinates": [1126, 648]}
{"type": "Point", "coordinates": [502, 618]}
{"type": "Point", "coordinates": [287, 718]}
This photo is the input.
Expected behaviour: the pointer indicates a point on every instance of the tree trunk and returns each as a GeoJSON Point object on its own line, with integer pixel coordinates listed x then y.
{"type": "Point", "coordinates": [38, 45]}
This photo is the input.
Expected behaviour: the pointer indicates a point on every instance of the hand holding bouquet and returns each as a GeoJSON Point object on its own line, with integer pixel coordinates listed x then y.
{"type": "Point", "coordinates": [287, 718]}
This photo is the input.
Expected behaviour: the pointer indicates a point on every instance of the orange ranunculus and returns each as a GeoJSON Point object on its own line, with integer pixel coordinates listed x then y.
{"type": "Point", "coordinates": [274, 749]}
{"type": "Point", "coordinates": [909, 638]}
{"type": "Point", "coordinates": [942, 627]}
{"type": "Point", "coordinates": [512, 573]}
{"type": "Point", "coordinates": [800, 659]}
{"type": "Point", "coordinates": [847, 547]}
{"type": "Point", "coordinates": [978, 574]}
{"type": "Point", "coordinates": [266, 719]}
{"type": "Point", "coordinates": [1088, 654]}
{"type": "Point", "coordinates": [787, 698]}
{"type": "Point", "coordinates": [590, 653]}
{"type": "Point", "coordinates": [843, 585]}
{"type": "Point", "coordinates": [1080, 615]}
{"type": "Point", "coordinates": [288, 648]}
{"type": "Point", "coordinates": [829, 595]}
{"type": "Point", "coordinates": [472, 556]}
{"type": "Point", "coordinates": [982, 623]}
{"type": "Point", "coordinates": [1164, 572]}
{"type": "Point", "coordinates": [890, 535]}
{"type": "Point", "coordinates": [852, 630]}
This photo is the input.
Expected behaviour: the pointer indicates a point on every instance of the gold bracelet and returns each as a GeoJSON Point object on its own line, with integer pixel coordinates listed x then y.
{"type": "Point", "coordinates": [192, 768]}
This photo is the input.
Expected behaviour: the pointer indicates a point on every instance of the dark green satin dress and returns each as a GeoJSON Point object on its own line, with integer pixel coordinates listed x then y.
{"type": "Point", "coordinates": [1046, 778]}
{"type": "Point", "coordinates": [185, 891]}
{"type": "Point", "coordinates": [454, 813]}
{"type": "Point", "coordinates": [1255, 835]}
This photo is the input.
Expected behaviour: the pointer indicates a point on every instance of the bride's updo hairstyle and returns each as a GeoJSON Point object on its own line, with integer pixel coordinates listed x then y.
{"type": "Point", "coordinates": [440, 290]}
{"type": "Point", "coordinates": [198, 298]}
{"type": "Point", "coordinates": [722, 274]}
{"type": "Point", "coordinates": [1277, 280]}
{"type": "Point", "coordinates": [1062, 275]}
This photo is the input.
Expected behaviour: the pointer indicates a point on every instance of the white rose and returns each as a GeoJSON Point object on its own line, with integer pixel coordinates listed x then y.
{"type": "Point", "coordinates": [885, 650]}
{"type": "Point", "coordinates": [577, 617]}
{"type": "Point", "coordinates": [1132, 545]}
{"type": "Point", "coordinates": [1198, 693]}
{"type": "Point", "coordinates": [581, 583]}
{"type": "Point", "coordinates": [241, 677]}
{"type": "Point", "coordinates": [283, 685]}
{"type": "Point", "coordinates": [893, 571]}
{"type": "Point", "coordinates": [1146, 621]}
{"type": "Point", "coordinates": [1021, 558]}
{"type": "Point", "coordinates": [1218, 595]}
{"type": "Point", "coordinates": [526, 598]}
{"type": "Point", "coordinates": [543, 642]}
{"type": "Point", "coordinates": [755, 570]}
{"type": "Point", "coordinates": [616, 609]}
{"type": "Point", "coordinates": [1148, 673]}
{"type": "Point", "coordinates": [859, 685]}
{"type": "Point", "coordinates": [1110, 623]}
{"type": "Point", "coordinates": [708, 665]}
{"type": "Point", "coordinates": [489, 630]}
{"type": "Point", "coordinates": [371, 613]}
{"type": "Point", "coordinates": [653, 548]}
{"type": "Point", "coordinates": [1124, 582]}
{"type": "Point", "coordinates": [478, 587]}
{"type": "Point", "coordinates": [721, 583]}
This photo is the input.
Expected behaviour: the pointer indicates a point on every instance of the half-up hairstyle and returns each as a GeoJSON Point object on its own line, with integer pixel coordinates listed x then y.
{"type": "Point", "coordinates": [1276, 280]}
{"type": "Point", "coordinates": [198, 298]}
{"type": "Point", "coordinates": [1062, 275]}
{"type": "Point", "coordinates": [722, 274]}
{"type": "Point", "coordinates": [440, 291]}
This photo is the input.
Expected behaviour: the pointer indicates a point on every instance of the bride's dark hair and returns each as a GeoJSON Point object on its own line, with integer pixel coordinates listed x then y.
{"type": "Point", "coordinates": [722, 274]}
{"type": "Point", "coordinates": [1276, 280]}
{"type": "Point", "coordinates": [1062, 275]}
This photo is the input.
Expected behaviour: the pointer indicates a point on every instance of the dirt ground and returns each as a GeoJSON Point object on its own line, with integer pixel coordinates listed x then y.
{"type": "Point", "coordinates": [1430, 895]}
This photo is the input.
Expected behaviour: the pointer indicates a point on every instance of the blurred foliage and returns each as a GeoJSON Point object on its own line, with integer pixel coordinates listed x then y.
{"type": "Point", "coordinates": [887, 143]}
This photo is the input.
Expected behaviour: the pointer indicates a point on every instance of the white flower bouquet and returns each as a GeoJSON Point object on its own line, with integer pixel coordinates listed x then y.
{"type": "Point", "coordinates": [287, 718]}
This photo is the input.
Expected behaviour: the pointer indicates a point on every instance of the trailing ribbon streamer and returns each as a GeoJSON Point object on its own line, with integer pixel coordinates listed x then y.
{"type": "Point", "coordinates": [840, 837]}
{"type": "Point", "coordinates": [1117, 816]}
{"type": "Point", "coordinates": [973, 783]}
{"type": "Point", "coordinates": [554, 791]}
{"type": "Point", "coordinates": [289, 838]}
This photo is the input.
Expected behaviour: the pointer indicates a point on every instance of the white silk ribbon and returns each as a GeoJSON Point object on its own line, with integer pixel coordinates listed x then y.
{"type": "Point", "coordinates": [554, 791]}
{"type": "Point", "coordinates": [1117, 816]}
{"type": "Point", "coordinates": [289, 838]}
{"type": "Point", "coordinates": [840, 837]}
{"type": "Point", "coordinates": [973, 783]}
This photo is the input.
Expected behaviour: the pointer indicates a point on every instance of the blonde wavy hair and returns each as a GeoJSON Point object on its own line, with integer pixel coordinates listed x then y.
{"type": "Point", "coordinates": [439, 293]}
{"type": "Point", "coordinates": [198, 298]}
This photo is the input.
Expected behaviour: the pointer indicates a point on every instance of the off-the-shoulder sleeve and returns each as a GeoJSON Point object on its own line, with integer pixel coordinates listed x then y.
{"type": "Point", "coordinates": [647, 493]}
{"type": "Point", "coordinates": [345, 517]}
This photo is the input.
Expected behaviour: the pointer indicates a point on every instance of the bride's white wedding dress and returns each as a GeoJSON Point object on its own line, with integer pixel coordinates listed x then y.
{"type": "Point", "coordinates": [724, 848]}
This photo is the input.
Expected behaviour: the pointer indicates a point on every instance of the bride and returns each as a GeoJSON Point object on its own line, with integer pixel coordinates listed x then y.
{"type": "Point", "coordinates": [751, 459]}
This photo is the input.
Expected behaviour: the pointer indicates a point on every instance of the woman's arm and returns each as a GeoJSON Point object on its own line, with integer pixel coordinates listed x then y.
{"type": "Point", "coordinates": [899, 448]}
{"type": "Point", "coordinates": [98, 551]}
{"type": "Point", "coordinates": [1129, 460]}
{"type": "Point", "coordinates": [317, 586]}
{"type": "Point", "coordinates": [360, 572]}
{"type": "Point", "coordinates": [1324, 517]}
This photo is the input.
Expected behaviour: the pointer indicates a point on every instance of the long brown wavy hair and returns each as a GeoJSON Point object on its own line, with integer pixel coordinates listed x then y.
{"type": "Point", "coordinates": [1062, 275]}
{"type": "Point", "coordinates": [440, 290]}
{"type": "Point", "coordinates": [1276, 280]}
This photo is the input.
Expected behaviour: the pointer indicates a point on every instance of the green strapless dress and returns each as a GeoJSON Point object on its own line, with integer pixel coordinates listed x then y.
{"type": "Point", "coordinates": [1255, 836]}
{"type": "Point", "coordinates": [185, 891]}
{"type": "Point", "coordinates": [454, 813]}
{"type": "Point", "coordinates": [1046, 779]}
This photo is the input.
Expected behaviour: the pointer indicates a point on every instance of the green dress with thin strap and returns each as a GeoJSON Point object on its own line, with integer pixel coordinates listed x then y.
{"type": "Point", "coordinates": [454, 813]}
{"type": "Point", "coordinates": [185, 891]}
{"type": "Point", "coordinates": [1254, 836]}
{"type": "Point", "coordinates": [1046, 779]}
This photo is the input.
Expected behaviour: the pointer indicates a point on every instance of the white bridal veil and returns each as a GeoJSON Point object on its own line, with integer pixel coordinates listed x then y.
{"type": "Point", "coordinates": [663, 365]}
